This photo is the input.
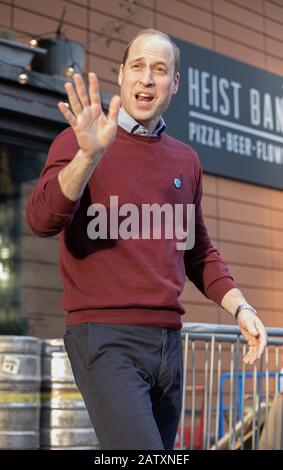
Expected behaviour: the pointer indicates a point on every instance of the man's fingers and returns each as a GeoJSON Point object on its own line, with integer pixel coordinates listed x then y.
{"type": "Point", "coordinates": [262, 339]}
{"type": "Point", "coordinates": [81, 90]}
{"type": "Point", "coordinates": [93, 89]}
{"type": "Point", "coordinates": [262, 331]}
{"type": "Point", "coordinates": [114, 108]}
{"type": "Point", "coordinates": [73, 99]}
{"type": "Point", "coordinates": [251, 355]}
{"type": "Point", "coordinates": [255, 333]}
{"type": "Point", "coordinates": [262, 343]}
{"type": "Point", "coordinates": [67, 113]}
{"type": "Point", "coordinates": [247, 358]}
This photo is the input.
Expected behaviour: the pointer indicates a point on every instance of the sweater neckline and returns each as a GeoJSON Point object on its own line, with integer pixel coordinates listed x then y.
{"type": "Point", "coordinates": [144, 138]}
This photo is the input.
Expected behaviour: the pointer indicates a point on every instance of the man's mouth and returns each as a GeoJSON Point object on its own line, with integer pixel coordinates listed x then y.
{"type": "Point", "coordinates": [144, 97]}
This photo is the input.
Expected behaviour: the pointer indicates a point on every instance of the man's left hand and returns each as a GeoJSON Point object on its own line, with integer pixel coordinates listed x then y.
{"type": "Point", "coordinates": [254, 332]}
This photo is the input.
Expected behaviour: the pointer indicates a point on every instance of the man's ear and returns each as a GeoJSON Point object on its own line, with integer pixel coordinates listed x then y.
{"type": "Point", "coordinates": [120, 76]}
{"type": "Point", "coordinates": [176, 83]}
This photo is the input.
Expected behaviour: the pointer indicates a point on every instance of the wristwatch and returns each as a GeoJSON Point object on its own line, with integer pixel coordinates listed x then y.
{"type": "Point", "coordinates": [244, 307]}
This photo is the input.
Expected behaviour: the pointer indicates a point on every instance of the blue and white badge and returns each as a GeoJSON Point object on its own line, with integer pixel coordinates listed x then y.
{"type": "Point", "coordinates": [178, 182]}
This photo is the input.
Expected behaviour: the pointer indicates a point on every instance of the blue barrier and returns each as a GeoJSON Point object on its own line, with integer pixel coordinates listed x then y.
{"type": "Point", "coordinates": [239, 404]}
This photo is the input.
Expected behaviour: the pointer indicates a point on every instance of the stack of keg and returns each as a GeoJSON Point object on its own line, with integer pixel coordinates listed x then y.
{"type": "Point", "coordinates": [19, 392]}
{"type": "Point", "coordinates": [40, 405]}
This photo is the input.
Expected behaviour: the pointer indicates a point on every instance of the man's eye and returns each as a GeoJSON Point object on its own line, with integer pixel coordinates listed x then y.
{"type": "Point", "coordinates": [160, 69]}
{"type": "Point", "coordinates": [135, 66]}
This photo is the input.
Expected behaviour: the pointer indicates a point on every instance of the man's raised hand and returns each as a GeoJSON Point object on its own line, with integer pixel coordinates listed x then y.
{"type": "Point", "coordinates": [94, 131]}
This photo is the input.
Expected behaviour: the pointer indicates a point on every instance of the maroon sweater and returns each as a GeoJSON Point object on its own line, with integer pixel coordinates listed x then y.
{"type": "Point", "coordinates": [134, 281]}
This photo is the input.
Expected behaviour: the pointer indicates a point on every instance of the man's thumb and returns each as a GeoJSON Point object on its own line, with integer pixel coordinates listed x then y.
{"type": "Point", "coordinates": [252, 329]}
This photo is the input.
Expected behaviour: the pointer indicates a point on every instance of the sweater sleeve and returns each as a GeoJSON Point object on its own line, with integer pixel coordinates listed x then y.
{"type": "Point", "coordinates": [203, 263]}
{"type": "Point", "coordinates": [48, 210]}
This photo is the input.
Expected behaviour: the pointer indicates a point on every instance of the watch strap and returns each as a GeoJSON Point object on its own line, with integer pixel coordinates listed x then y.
{"type": "Point", "coordinates": [244, 307]}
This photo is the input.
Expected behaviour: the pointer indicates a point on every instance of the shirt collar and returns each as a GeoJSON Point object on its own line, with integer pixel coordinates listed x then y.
{"type": "Point", "coordinates": [130, 125]}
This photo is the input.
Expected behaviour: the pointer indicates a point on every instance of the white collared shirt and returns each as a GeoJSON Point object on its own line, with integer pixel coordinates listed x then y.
{"type": "Point", "coordinates": [130, 125]}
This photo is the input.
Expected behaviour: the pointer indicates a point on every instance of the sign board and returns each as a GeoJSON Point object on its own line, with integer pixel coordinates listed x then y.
{"type": "Point", "coordinates": [231, 113]}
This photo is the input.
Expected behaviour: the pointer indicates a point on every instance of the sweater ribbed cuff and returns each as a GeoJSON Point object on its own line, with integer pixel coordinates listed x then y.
{"type": "Point", "coordinates": [59, 203]}
{"type": "Point", "coordinates": [219, 288]}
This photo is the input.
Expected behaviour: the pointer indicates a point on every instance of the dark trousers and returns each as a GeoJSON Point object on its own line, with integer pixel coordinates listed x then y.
{"type": "Point", "coordinates": [130, 378]}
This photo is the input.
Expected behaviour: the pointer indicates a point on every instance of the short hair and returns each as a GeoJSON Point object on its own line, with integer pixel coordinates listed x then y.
{"type": "Point", "coordinates": [155, 32]}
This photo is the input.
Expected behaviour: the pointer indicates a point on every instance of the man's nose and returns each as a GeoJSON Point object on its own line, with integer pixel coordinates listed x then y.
{"type": "Point", "coordinates": [146, 77]}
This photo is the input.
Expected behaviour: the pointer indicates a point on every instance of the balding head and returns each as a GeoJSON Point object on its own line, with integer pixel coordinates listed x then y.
{"type": "Point", "coordinates": [160, 34]}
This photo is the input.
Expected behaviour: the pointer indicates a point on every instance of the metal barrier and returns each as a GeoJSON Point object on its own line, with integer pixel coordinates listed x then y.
{"type": "Point", "coordinates": [226, 404]}
{"type": "Point", "coordinates": [241, 407]}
